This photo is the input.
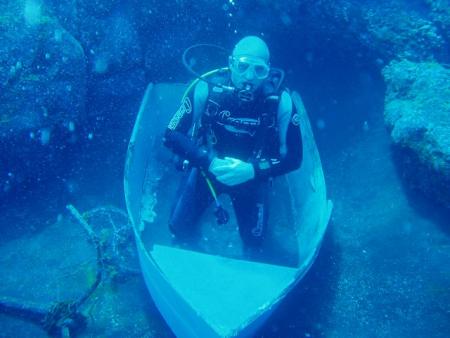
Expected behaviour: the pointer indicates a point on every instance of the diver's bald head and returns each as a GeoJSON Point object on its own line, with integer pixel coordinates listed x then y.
{"type": "Point", "coordinates": [252, 46]}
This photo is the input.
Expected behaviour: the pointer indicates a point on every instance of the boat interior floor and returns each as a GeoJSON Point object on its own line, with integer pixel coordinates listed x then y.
{"type": "Point", "coordinates": [280, 246]}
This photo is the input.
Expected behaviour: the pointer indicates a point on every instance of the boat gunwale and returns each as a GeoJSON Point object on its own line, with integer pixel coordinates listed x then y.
{"type": "Point", "coordinates": [145, 252]}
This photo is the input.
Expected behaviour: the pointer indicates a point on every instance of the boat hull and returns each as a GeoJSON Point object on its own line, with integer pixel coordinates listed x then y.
{"type": "Point", "coordinates": [195, 291]}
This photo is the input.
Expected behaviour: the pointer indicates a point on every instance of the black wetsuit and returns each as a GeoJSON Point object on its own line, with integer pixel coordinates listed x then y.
{"type": "Point", "coordinates": [250, 131]}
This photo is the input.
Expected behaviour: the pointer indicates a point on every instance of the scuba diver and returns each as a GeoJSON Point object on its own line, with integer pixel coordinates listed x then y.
{"type": "Point", "coordinates": [233, 132]}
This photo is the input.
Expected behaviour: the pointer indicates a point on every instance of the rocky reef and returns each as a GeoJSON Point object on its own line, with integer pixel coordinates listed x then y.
{"type": "Point", "coordinates": [440, 15]}
{"type": "Point", "coordinates": [42, 71]}
{"type": "Point", "coordinates": [68, 52]}
{"type": "Point", "coordinates": [42, 92]}
{"type": "Point", "coordinates": [370, 30]}
{"type": "Point", "coordinates": [65, 65]}
{"type": "Point", "coordinates": [417, 113]}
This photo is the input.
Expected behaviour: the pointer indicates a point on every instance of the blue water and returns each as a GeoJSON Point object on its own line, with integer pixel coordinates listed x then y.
{"type": "Point", "coordinates": [383, 270]}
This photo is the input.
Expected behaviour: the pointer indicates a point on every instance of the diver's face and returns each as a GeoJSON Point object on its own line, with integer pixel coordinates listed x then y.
{"type": "Point", "coordinates": [248, 72]}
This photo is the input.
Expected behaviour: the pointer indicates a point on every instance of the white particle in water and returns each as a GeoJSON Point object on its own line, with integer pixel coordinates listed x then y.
{"type": "Point", "coordinates": [100, 65]}
{"type": "Point", "coordinates": [57, 35]}
{"type": "Point", "coordinates": [45, 136]}
{"type": "Point", "coordinates": [366, 126]}
{"type": "Point", "coordinates": [320, 123]}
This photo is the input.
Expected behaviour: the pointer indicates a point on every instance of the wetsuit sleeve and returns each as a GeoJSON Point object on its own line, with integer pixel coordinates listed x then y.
{"type": "Point", "coordinates": [291, 149]}
{"type": "Point", "coordinates": [177, 138]}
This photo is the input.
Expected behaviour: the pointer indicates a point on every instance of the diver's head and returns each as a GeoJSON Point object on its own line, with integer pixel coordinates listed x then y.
{"type": "Point", "coordinates": [249, 63]}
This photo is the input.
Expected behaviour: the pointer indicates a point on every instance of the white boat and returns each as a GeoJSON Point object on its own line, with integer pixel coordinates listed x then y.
{"type": "Point", "coordinates": [214, 290]}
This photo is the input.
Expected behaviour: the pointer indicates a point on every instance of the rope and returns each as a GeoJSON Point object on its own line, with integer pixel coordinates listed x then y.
{"type": "Point", "coordinates": [63, 318]}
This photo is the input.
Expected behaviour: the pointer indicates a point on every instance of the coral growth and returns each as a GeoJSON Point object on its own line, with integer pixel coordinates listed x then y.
{"type": "Point", "coordinates": [417, 113]}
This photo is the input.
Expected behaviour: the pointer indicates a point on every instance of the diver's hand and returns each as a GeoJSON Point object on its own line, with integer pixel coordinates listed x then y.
{"type": "Point", "coordinates": [219, 166]}
{"type": "Point", "coordinates": [233, 171]}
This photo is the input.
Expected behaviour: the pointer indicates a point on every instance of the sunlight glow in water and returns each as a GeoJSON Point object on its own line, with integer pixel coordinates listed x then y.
{"type": "Point", "coordinates": [32, 12]}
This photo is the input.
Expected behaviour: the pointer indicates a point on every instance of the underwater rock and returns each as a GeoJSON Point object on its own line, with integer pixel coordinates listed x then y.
{"type": "Point", "coordinates": [116, 88]}
{"type": "Point", "coordinates": [417, 115]}
{"type": "Point", "coordinates": [113, 54]}
{"type": "Point", "coordinates": [115, 48]}
{"type": "Point", "coordinates": [394, 30]}
{"type": "Point", "coordinates": [42, 71]}
{"type": "Point", "coordinates": [43, 93]}
{"type": "Point", "coordinates": [98, 8]}
{"type": "Point", "coordinates": [76, 10]}
{"type": "Point", "coordinates": [440, 15]}
{"type": "Point", "coordinates": [383, 29]}
{"type": "Point", "coordinates": [352, 29]}
{"type": "Point", "coordinates": [156, 31]}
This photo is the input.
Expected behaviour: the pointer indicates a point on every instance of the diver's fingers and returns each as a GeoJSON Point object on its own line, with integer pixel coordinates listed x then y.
{"type": "Point", "coordinates": [228, 179]}
{"type": "Point", "coordinates": [222, 179]}
{"type": "Point", "coordinates": [220, 170]}
{"type": "Point", "coordinates": [218, 162]}
{"type": "Point", "coordinates": [233, 162]}
{"type": "Point", "coordinates": [230, 159]}
{"type": "Point", "coordinates": [218, 166]}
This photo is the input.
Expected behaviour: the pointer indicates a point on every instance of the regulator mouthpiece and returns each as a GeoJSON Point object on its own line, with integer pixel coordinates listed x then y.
{"type": "Point", "coordinates": [246, 94]}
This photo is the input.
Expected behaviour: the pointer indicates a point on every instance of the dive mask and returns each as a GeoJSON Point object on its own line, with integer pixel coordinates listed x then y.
{"type": "Point", "coordinates": [244, 64]}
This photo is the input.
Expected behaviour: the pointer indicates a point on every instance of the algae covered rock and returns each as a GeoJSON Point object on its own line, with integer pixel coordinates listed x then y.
{"type": "Point", "coordinates": [417, 114]}
{"type": "Point", "coordinates": [42, 93]}
{"type": "Point", "coordinates": [42, 71]}
{"type": "Point", "coordinates": [115, 62]}
{"type": "Point", "coordinates": [440, 15]}
{"type": "Point", "coordinates": [379, 30]}
{"type": "Point", "coordinates": [396, 31]}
